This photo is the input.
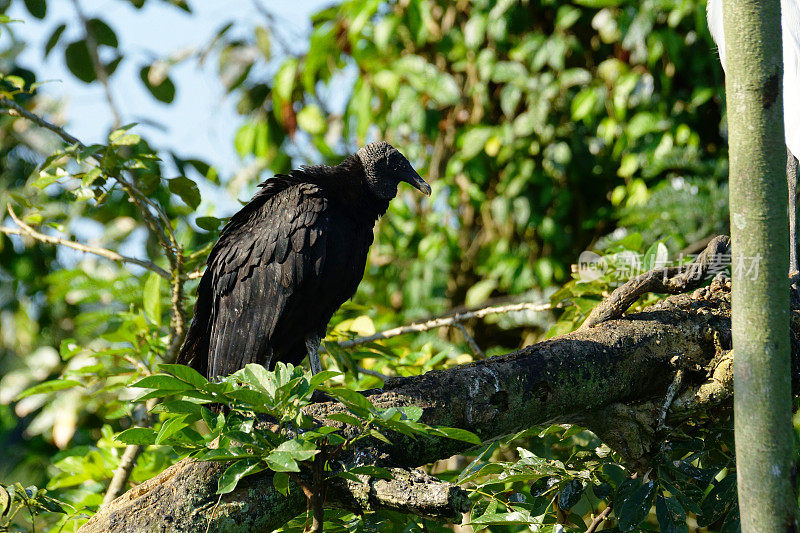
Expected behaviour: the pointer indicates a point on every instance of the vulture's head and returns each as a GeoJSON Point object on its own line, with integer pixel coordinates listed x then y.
{"type": "Point", "coordinates": [385, 167]}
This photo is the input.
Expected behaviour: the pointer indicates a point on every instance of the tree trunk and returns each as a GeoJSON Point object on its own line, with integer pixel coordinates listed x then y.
{"type": "Point", "coordinates": [759, 231]}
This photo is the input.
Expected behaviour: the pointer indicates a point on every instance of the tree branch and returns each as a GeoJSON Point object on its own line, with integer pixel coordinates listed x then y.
{"type": "Point", "coordinates": [583, 377]}
{"type": "Point", "coordinates": [14, 109]}
{"type": "Point", "coordinates": [102, 252]}
{"type": "Point", "coordinates": [99, 68]}
{"type": "Point", "coordinates": [451, 320]}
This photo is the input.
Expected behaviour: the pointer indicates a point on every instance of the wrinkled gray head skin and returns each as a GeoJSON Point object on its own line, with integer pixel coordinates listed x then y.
{"type": "Point", "coordinates": [385, 167]}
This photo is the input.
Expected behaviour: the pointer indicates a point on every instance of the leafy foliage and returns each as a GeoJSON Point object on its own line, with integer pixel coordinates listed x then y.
{"type": "Point", "coordinates": [546, 127]}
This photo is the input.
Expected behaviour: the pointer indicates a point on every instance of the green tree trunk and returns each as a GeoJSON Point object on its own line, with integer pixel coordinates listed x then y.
{"type": "Point", "coordinates": [759, 230]}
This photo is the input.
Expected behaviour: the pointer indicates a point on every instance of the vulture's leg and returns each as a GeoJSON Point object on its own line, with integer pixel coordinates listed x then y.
{"type": "Point", "coordinates": [312, 347]}
{"type": "Point", "coordinates": [791, 178]}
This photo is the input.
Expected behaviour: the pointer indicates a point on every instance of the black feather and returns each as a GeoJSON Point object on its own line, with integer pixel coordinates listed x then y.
{"type": "Point", "coordinates": [282, 266]}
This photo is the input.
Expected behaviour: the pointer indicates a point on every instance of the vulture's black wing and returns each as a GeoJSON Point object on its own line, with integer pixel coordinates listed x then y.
{"type": "Point", "coordinates": [266, 263]}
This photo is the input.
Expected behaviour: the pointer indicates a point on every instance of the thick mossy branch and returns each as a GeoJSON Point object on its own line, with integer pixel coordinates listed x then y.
{"type": "Point", "coordinates": [611, 378]}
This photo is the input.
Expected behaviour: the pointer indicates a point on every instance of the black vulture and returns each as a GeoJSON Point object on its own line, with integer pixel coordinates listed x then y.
{"type": "Point", "coordinates": [288, 259]}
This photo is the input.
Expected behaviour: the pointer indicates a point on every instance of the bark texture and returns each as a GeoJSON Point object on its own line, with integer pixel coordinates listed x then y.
{"type": "Point", "coordinates": [759, 230]}
{"type": "Point", "coordinates": [611, 378]}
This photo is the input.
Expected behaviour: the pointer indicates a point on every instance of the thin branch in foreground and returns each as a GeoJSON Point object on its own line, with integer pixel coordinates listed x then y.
{"type": "Point", "coordinates": [451, 320]}
{"type": "Point", "coordinates": [599, 519]}
{"type": "Point", "coordinates": [471, 341]}
{"type": "Point", "coordinates": [99, 68]}
{"type": "Point", "coordinates": [102, 252]}
{"type": "Point", "coordinates": [14, 109]}
{"type": "Point", "coordinates": [122, 472]}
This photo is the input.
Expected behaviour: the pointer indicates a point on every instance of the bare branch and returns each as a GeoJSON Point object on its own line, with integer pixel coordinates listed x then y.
{"type": "Point", "coordinates": [14, 109]}
{"type": "Point", "coordinates": [99, 69]}
{"type": "Point", "coordinates": [102, 252]}
{"type": "Point", "coordinates": [123, 472]}
{"type": "Point", "coordinates": [599, 519]}
{"type": "Point", "coordinates": [451, 320]}
{"type": "Point", "coordinates": [471, 341]}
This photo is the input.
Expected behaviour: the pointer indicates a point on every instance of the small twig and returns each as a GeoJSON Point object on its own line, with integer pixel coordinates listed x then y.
{"type": "Point", "coordinates": [672, 391]}
{"type": "Point", "coordinates": [369, 372]}
{"type": "Point", "coordinates": [14, 109]}
{"type": "Point", "coordinates": [178, 323]}
{"type": "Point", "coordinates": [122, 472]}
{"type": "Point", "coordinates": [451, 320]}
{"type": "Point", "coordinates": [196, 274]}
{"type": "Point", "coordinates": [99, 69]}
{"type": "Point", "coordinates": [471, 341]}
{"type": "Point", "coordinates": [599, 519]}
{"type": "Point", "coordinates": [102, 252]}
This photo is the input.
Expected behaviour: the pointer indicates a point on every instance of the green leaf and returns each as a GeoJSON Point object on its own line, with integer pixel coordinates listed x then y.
{"type": "Point", "coordinates": [584, 103]}
{"type": "Point", "coordinates": [311, 119]}
{"type": "Point", "coordinates": [284, 79]}
{"type": "Point", "coordinates": [245, 139]}
{"type": "Point", "coordinates": [102, 33]}
{"type": "Point", "coordinates": [49, 386]}
{"type": "Point", "coordinates": [179, 406]}
{"type": "Point", "coordinates": [162, 382]}
{"type": "Point", "coordinates": [5, 501]}
{"type": "Point", "coordinates": [374, 471]}
{"type": "Point", "coordinates": [52, 41]}
{"type": "Point", "coordinates": [230, 478]}
{"type": "Point", "coordinates": [186, 189]}
{"type": "Point", "coordinates": [282, 462]}
{"type": "Point", "coordinates": [718, 501]}
{"type": "Point", "coordinates": [280, 480]}
{"type": "Point", "coordinates": [380, 436]}
{"type": "Point", "coordinates": [37, 8]}
{"type": "Point", "coordinates": [633, 509]}
{"type": "Point", "coordinates": [345, 418]}
{"type": "Point", "coordinates": [79, 62]}
{"type": "Point", "coordinates": [354, 401]}
{"type": "Point", "coordinates": [185, 373]}
{"type": "Point", "coordinates": [152, 298]}
{"type": "Point", "coordinates": [521, 517]}
{"type": "Point", "coordinates": [170, 427]}
{"type": "Point", "coordinates": [140, 436]}
{"type": "Point", "coordinates": [208, 223]}
{"type": "Point", "coordinates": [160, 86]}
{"type": "Point", "coordinates": [458, 434]}
{"type": "Point", "coordinates": [570, 494]}
{"type": "Point", "coordinates": [670, 514]}
{"type": "Point", "coordinates": [474, 140]}
{"type": "Point", "coordinates": [298, 450]}
{"type": "Point", "coordinates": [318, 379]}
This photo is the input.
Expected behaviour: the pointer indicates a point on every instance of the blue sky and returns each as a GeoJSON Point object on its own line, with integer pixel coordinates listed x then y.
{"type": "Point", "coordinates": [201, 121]}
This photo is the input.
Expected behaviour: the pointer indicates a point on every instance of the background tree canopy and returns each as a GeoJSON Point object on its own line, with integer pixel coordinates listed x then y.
{"type": "Point", "coordinates": [545, 128]}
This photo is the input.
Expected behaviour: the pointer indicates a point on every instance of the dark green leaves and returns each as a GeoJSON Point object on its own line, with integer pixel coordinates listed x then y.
{"type": "Point", "coordinates": [52, 41]}
{"type": "Point", "coordinates": [158, 83]}
{"type": "Point", "coordinates": [186, 189]}
{"type": "Point", "coordinates": [79, 62]}
{"type": "Point", "coordinates": [637, 499]}
{"type": "Point", "coordinates": [236, 471]}
{"type": "Point", "coordinates": [37, 8]}
{"type": "Point", "coordinates": [102, 33]}
{"type": "Point", "coordinates": [670, 514]}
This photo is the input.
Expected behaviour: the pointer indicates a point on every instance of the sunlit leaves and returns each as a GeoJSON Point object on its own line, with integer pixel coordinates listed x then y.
{"type": "Point", "coordinates": [152, 298]}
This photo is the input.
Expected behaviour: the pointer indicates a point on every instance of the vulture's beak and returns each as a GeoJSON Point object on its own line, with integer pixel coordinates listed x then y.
{"type": "Point", "coordinates": [416, 181]}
